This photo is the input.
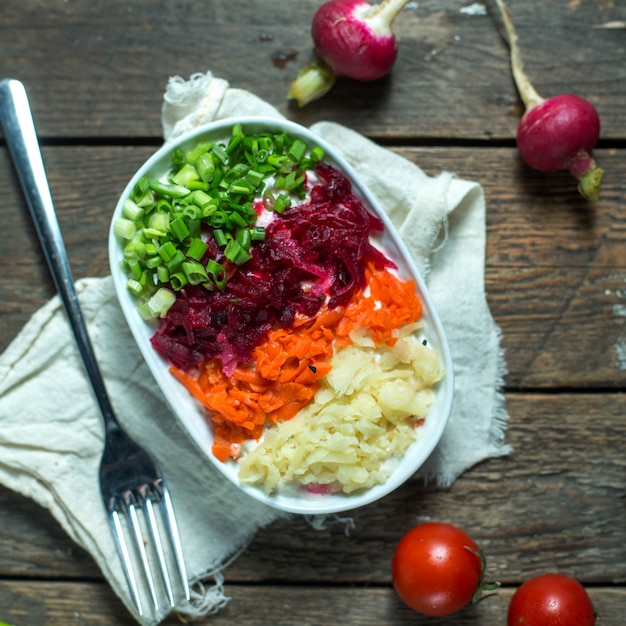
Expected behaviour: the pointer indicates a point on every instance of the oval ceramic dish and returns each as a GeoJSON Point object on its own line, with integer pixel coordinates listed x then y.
{"type": "Point", "coordinates": [189, 411]}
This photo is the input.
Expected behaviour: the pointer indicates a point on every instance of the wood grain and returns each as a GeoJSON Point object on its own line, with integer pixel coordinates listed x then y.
{"type": "Point", "coordinates": [555, 280]}
{"type": "Point", "coordinates": [563, 323]}
{"type": "Point", "coordinates": [99, 76]}
{"type": "Point", "coordinates": [567, 455]}
{"type": "Point", "coordinates": [92, 604]}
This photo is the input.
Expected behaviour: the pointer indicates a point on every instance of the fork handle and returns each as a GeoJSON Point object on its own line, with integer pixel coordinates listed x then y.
{"type": "Point", "coordinates": [21, 138]}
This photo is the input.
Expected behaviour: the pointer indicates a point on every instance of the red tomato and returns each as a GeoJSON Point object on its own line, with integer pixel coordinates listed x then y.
{"type": "Point", "coordinates": [551, 600]}
{"type": "Point", "coordinates": [437, 569]}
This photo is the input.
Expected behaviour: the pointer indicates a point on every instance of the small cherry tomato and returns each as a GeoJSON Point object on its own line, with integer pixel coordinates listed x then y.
{"type": "Point", "coordinates": [550, 600]}
{"type": "Point", "coordinates": [437, 569]}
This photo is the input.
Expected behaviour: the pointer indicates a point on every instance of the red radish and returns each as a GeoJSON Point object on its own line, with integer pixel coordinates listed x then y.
{"type": "Point", "coordinates": [352, 38]}
{"type": "Point", "coordinates": [556, 133]}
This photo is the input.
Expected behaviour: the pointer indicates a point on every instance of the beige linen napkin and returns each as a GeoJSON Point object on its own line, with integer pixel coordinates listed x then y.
{"type": "Point", "coordinates": [51, 436]}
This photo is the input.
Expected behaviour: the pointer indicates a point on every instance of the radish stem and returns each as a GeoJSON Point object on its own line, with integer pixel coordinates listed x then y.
{"type": "Point", "coordinates": [529, 95]}
{"type": "Point", "coordinates": [387, 10]}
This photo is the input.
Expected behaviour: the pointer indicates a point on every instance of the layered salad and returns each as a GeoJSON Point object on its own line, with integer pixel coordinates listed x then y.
{"type": "Point", "coordinates": [276, 306]}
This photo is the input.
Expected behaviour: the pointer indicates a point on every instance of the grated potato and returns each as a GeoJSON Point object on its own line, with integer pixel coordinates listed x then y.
{"type": "Point", "coordinates": [363, 416]}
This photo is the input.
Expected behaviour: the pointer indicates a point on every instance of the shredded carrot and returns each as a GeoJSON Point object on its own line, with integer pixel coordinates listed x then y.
{"type": "Point", "coordinates": [389, 305]}
{"type": "Point", "coordinates": [287, 367]}
{"type": "Point", "coordinates": [283, 377]}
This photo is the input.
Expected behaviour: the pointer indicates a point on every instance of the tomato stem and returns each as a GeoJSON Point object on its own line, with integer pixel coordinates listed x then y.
{"type": "Point", "coordinates": [479, 593]}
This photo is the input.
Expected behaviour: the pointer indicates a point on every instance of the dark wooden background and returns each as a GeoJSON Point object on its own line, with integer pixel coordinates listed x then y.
{"type": "Point", "coordinates": [555, 278]}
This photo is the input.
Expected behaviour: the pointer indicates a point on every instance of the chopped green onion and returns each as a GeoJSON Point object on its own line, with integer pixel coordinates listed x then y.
{"type": "Point", "coordinates": [236, 138]}
{"type": "Point", "coordinates": [201, 198]}
{"type": "Point", "coordinates": [179, 229]}
{"type": "Point", "coordinates": [168, 189]}
{"type": "Point", "coordinates": [205, 167]}
{"type": "Point", "coordinates": [268, 200]}
{"type": "Point", "coordinates": [209, 210]}
{"type": "Point", "coordinates": [152, 262]}
{"type": "Point", "coordinates": [131, 210]}
{"type": "Point", "coordinates": [220, 153]}
{"type": "Point", "coordinates": [297, 150]}
{"type": "Point", "coordinates": [198, 185]}
{"type": "Point", "coordinates": [161, 302]}
{"type": "Point", "coordinates": [195, 154]}
{"type": "Point", "coordinates": [167, 251]}
{"type": "Point", "coordinates": [218, 219]}
{"type": "Point", "coordinates": [279, 142]}
{"type": "Point", "coordinates": [265, 143]}
{"type": "Point", "coordinates": [124, 228]}
{"type": "Point", "coordinates": [254, 178]}
{"type": "Point", "coordinates": [135, 267]}
{"type": "Point", "coordinates": [237, 219]}
{"type": "Point", "coordinates": [178, 280]}
{"type": "Point", "coordinates": [163, 205]}
{"type": "Point", "coordinates": [316, 155]}
{"type": "Point", "coordinates": [153, 233]}
{"type": "Point", "coordinates": [281, 202]}
{"type": "Point", "coordinates": [185, 175]}
{"type": "Point", "coordinates": [244, 238]}
{"type": "Point", "coordinates": [241, 187]}
{"type": "Point", "coordinates": [197, 249]}
{"type": "Point", "coordinates": [195, 273]}
{"type": "Point", "coordinates": [290, 182]}
{"type": "Point", "coordinates": [277, 160]}
{"type": "Point", "coordinates": [163, 274]}
{"type": "Point", "coordinates": [194, 227]}
{"type": "Point", "coordinates": [176, 261]}
{"type": "Point", "coordinates": [212, 187]}
{"type": "Point", "coordinates": [217, 272]}
{"type": "Point", "coordinates": [258, 233]}
{"type": "Point", "coordinates": [135, 287]}
{"type": "Point", "coordinates": [236, 253]}
{"type": "Point", "coordinates": [237, 171]}
{"type": "Point", "coordinates": [141, 194]}
{"type": "Point", "coordinates": [178, 159]}
{"type": "Point", "coordinates": [135, 247]}
{"type": "Point", "coordinates": [220, 237]}
{"type": "Point", "coordinates": [159, 222]}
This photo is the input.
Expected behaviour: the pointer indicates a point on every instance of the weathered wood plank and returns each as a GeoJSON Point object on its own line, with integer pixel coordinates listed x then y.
{"type": "Point", "coordinates": [563, 322]}
{"type": "Point", "coordinates": [555, 503]}
{"type": "Point", "coordinates": [31, 603]}
{"type": "Point", "coordinates": [452, 77]}
{"type": "Point", "coordinates": [567, 456]}
{"type": "Point", "coordinates": [33, 545]}
{"type": "Point", "coordinates": [88, 604]}
{"type": "Point", "coordinates": [555, 281]}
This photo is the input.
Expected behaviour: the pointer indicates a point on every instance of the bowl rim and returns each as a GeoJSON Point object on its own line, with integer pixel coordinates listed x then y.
{"type": "Point", "coordinates": [190, 413]}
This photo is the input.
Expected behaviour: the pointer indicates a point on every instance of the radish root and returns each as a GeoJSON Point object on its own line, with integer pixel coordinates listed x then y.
{"type": "Point", "coordinates": [529, 95]}
{"type": "Point", "coordinates": [556, 133]}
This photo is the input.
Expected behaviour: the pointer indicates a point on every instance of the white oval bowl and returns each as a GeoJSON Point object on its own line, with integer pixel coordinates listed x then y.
{"type": "Point", "coordinates": [193, 416]}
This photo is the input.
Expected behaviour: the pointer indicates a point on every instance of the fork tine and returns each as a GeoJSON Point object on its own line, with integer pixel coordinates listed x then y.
{"type": "Point", "coordinates": [158, 547]}
{"type": "Point", "coordinates": [127, 564]}
{"type": "Point", "coordinates": [172, 530]}
{"type": "Point", "coordinates": [143, 499]}
{"type": "Point", "coordinates": [141, 549]}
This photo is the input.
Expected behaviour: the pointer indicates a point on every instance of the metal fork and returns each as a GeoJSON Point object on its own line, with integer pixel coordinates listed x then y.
{"type": "Point", "coordinates": [130, 481]}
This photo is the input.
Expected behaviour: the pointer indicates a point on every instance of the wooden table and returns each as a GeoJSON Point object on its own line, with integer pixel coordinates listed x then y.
{"type": "Point", "coordinates": [555, 278]}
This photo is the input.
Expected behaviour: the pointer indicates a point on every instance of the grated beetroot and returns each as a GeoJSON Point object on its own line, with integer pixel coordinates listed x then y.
{"type": "Point", "coordinates": [313, 252]}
